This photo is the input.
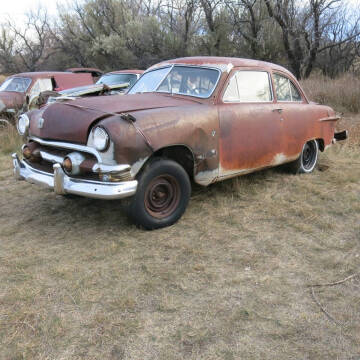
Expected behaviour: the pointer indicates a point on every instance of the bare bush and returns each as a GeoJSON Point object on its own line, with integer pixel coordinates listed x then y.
{"type": "Point", "coordinates": [342, 93]}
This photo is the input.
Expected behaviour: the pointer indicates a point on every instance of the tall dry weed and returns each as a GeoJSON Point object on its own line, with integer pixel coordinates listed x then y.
{"type": "Point", "coordinates": [343, 93]}
{"type": "Point", "coordinates": [10, 140]}
{"type": "Point", "coordinates": [2, 78]}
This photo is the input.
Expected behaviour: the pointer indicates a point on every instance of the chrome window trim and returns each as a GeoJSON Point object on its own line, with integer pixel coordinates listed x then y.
{"type": "Point", "coordinates": [181, 65]}
{"type": "Point", "coordinates": [170, 68]}
{"type": "Point", "coordinates": [251, 102]}
{"type": "Point", "coordinates": [147, 72]}
{"type": "Point", "coordinates": [290, 82]}
{"type": "Point", "coordinates": [70, 146]}
{"type": "Point", "coordinates": [193, 66]}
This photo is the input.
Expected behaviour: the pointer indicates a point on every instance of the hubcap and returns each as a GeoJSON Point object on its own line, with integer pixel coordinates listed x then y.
{"type": "Point", "coordinates": [162, 196]}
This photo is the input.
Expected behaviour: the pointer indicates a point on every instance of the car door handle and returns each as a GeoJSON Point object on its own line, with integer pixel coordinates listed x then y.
{"type": "Point", "coordinates": [279, 110]}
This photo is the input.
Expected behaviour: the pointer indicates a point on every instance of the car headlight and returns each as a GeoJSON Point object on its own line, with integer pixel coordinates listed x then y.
{"type": "Point", "coordinates": [23, 124]}
{"type": "Point", "coordinates": [100, 138]}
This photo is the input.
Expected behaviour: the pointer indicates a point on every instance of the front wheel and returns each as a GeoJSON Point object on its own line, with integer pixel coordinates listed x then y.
{"type": "Point", "coordinates": [308, 159]}
{"type": "Point", "coordinates": [162, 195]}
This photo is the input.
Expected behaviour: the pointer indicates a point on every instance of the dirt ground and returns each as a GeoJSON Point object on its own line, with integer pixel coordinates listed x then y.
{"type": "Point", "coordinates": [229, 281]}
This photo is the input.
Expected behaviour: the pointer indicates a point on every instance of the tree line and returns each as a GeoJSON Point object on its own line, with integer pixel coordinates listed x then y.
{"type": "Point", "coordinates": [303, 35]}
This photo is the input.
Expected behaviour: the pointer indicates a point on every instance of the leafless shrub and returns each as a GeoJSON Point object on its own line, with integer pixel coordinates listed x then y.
{"type": "Point", "coordinates": [342, 93]}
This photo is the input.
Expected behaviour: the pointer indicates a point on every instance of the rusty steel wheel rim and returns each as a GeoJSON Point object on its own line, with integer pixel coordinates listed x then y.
{"type": "Point", "coordinates": [162, 196]}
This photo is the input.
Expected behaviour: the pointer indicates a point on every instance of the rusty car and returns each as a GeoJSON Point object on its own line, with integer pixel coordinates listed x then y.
{"type": "Point", "coordinates": [18, 92]}
{"type": "Point", "coordinates": [196, 119]}
{"type": "Point", "coordinates": [111, 83]}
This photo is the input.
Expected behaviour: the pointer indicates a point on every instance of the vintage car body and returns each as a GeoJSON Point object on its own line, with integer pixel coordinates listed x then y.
{"type": "Point", "coordinates": [114, 82]}
{"type": "Point", "coordinates": [32, 84]}
{"type": "Point", "coordinates": [209, 133]}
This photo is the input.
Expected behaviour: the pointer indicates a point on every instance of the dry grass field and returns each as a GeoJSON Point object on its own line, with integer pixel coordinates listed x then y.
{"type": "Point", "coordinates": [229, 281]}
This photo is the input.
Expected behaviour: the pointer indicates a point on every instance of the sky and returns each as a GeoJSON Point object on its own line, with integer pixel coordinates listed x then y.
{"type": "Point", "coordinates": [15, 9]}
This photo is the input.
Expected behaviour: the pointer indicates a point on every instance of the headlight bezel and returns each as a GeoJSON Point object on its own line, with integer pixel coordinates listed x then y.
{"type": "Point", "coordinates": [100, 138]}
{"type": "Point", "coordinates": [22, 124]}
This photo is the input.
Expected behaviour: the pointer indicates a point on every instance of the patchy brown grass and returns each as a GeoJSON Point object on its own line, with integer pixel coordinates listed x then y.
{"type": "Point", "coordinates": [10, 140]}
{"type": "Point", "coordinates": [343, 93]}
{"type": "Point", "coordinates": [229, 281]}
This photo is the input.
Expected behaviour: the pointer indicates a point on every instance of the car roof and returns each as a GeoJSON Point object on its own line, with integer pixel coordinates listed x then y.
{"type": "Point", "coordinates": [43, 74]}
{"type": "Point", "coordinates": [84, 69]}
{"type": "Point", "coordinates": [222, 62]}
{"type": "Point", "coordinates": [133, 71]}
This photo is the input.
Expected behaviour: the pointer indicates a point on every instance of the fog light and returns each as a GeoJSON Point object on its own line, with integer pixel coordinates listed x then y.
{"type": "Point", "coordinates": [72, 162]}
{"type": "Point", "coordinates": [31, 152]}
{"type": "Point", "coordinates": [67, 165]}
{"type": "Point", "coordinates": [26, 152]}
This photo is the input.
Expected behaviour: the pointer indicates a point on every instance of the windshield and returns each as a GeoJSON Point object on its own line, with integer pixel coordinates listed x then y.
{"type": "Point", "coordinates": [114, 79]}
{"type": "Point", "coordinates": [184, 80]}
{"type": "Point", "coordinates": [18, 84]}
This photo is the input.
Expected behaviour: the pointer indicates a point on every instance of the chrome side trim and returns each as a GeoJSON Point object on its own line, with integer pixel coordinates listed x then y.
{"type": "Point", "coordinates": [63, 184]}
{"type": "Point", "coordinates": [65, 145]}
{"type": "Point", "coordinates": [110, 169]}
{"type": "Point", "coordinates": [331, 118]}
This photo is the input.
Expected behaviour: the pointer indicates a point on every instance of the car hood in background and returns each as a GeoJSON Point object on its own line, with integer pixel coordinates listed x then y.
{"type": "Point", "coordinates": [92, 89]}
{"type": "Point", "coordinates": [71, 121]}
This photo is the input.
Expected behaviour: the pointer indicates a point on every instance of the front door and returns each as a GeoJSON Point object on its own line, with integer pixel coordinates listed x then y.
{"type": "Point", "coordinates": [250, 124]}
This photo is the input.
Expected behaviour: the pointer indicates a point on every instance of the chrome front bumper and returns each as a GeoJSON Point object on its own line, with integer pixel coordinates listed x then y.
{"type": "Point", "coordinates": [63, 184]}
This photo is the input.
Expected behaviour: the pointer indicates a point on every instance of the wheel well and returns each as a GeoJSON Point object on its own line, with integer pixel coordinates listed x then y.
{"type": "Point", "coordinates": [321, 144]}
{"type": "Point", "coordinates": [179, 153]}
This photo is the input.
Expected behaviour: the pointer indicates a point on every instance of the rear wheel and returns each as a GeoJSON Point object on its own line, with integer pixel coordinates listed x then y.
{"type": "Point", "coordinates": [308, 159]}
{"type": "Point", "coordinates": [162, 195]}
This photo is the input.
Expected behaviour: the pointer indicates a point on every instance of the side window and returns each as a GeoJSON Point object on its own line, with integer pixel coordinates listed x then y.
{"type": "Point", "coordinates": [248, 86]}
{"type": "Point", "coordinates": [285, 89]}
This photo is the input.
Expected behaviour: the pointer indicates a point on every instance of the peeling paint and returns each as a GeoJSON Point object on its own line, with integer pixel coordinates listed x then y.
{"type": "Point", "coordinates": [279, 159]}
{"type": "Point", "coordinates": [229, 68]}
{"type": "Point", "coordinates": [135, 168]}
{"type": "Point", "coordinates": [108, 156]}
{"type": "Point", "coordinates": [206, 177]}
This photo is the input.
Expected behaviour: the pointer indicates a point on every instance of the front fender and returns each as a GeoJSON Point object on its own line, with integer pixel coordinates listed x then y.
{"type": "Point", "coordinates": [194, 126]}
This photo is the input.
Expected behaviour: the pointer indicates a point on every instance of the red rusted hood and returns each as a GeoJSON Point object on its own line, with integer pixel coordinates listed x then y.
{"type": "Point", "coordinates": [11, 100]}
{"type": "Point", "coordinates": [71, 121]}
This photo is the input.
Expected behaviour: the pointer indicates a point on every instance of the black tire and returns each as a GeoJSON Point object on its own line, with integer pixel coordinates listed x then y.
{"type": "Point", "coordinates": [307, 161]}
{"type": "Point", "coordinates": [162, 194]}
